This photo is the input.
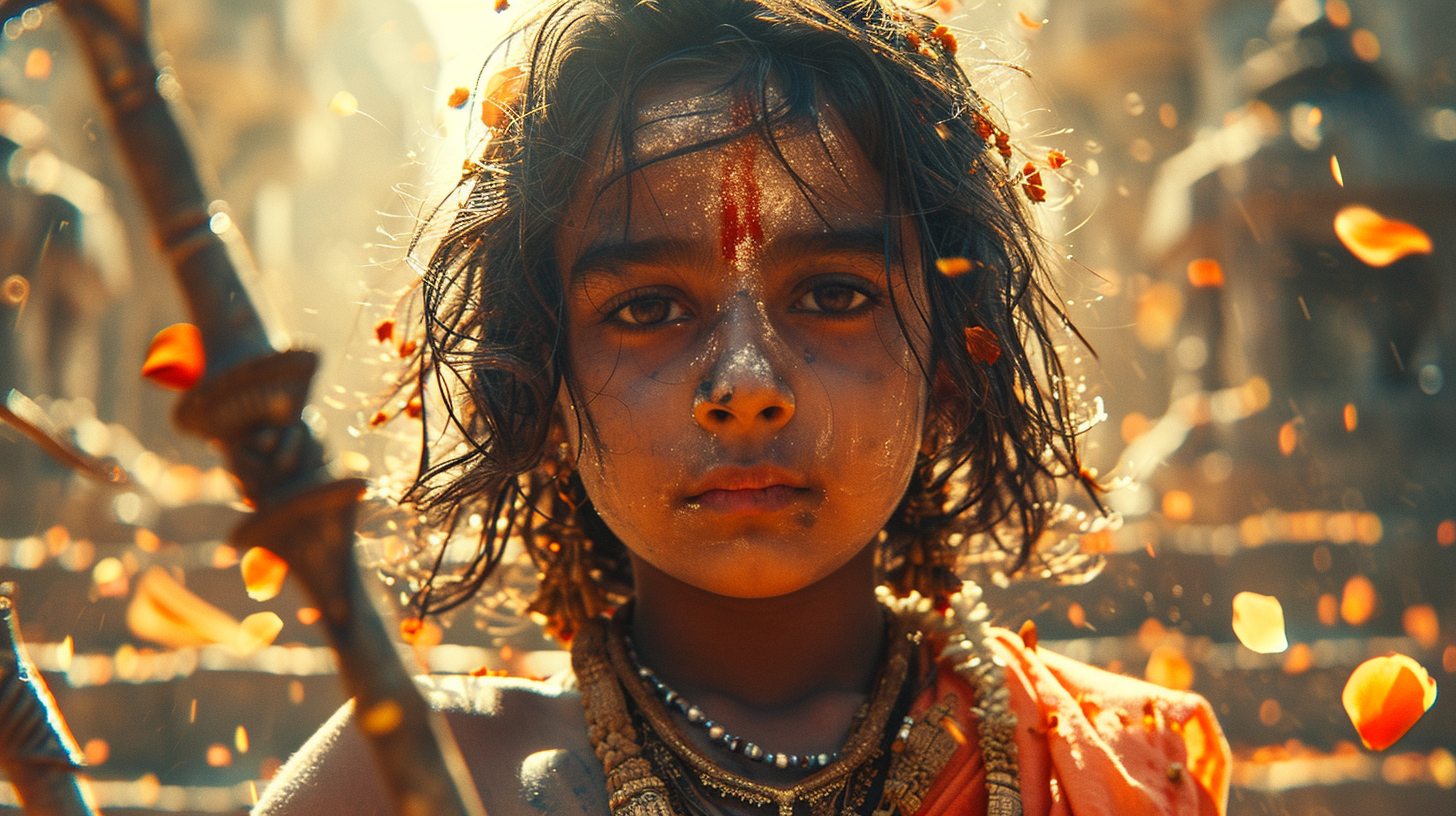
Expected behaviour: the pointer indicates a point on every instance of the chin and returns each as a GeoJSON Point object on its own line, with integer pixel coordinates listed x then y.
{"type": "Point", "coordinates": [757, 570]}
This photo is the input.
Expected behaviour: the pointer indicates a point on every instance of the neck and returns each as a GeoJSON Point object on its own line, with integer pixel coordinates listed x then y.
{"type": "Point", "coordinates": [764, 653]}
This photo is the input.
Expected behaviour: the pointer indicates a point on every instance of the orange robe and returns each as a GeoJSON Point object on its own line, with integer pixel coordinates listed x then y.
{"type": "Point", "coordinates": [1089, 742]}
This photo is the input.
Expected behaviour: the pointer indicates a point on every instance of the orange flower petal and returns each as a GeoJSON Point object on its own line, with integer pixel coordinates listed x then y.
{"type": "Point", "coordinates": [982, 345]}
{"type": "Point", "coordinates": [458, 98]}
{"type": "Point", "coordinates": [1385, 696]}
{"type": "Point", "coordinates": [258, 630]}
{"type": "Point", "coordinates": [175, 359]}
{"type": "Point", "coordinates": [1057, 159]}
{"type": "Point", "coordinates": [500, 94]}
{"type": "Point", "coordinates": [407, 348]}
{"type": "Point", "coordinates": [414, 408]}
{"type": "Point", "coordinates": [1259, 622]}
{"type": "Point", "coordinates": [1205, 272]}
{"type": "Point", "coordinates": [384, 330]}
{"type": "Point", "coordinates": [951, 267]}
{"type": "Point", "coordinates": [1377, 240]}
{"type": "Point", "coordinates": [1028, 22]}
{"type": "Point", "coordinates": [1357, 603]}
{"type": "Point", "coordinates": [1169, 668]}
{"type": "Point", "coordinates": [263, 573]}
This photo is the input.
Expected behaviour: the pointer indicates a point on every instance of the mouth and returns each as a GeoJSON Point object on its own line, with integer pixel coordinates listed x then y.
{"type": "Point", "coordinates": [744, 491]}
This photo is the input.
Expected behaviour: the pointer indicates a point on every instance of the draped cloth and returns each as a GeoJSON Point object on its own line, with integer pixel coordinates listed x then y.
{"type": "Point", "coordinates": [1090, 742]}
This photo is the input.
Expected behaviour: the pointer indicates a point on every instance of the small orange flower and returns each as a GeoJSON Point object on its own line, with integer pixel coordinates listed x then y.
{"type": "Point", "coordinates": [175, 358]}
{"type": "Point", "coordinates": [1057, 159]}
{"type": "Point", "coordinates": [945, 39]}
{"type": "Point", "coordinates": [1003, 143]}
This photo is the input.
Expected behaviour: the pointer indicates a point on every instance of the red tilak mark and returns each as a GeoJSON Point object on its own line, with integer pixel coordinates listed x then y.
{"type": "Point", "coordinates": [742, 223]}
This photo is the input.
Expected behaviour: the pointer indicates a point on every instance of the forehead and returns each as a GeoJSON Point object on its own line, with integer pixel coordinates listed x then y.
{"type": "Point", "coordinates": [687, 145]}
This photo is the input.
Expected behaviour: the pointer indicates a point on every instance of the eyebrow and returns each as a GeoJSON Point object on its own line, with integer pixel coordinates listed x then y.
{"type": "Point", "coordinates": [613, 259]}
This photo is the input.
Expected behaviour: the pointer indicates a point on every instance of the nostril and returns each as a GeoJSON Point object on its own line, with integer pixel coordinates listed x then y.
{"type": "Point", "coordinates": [772, 413]}
{"type": "Point", "coordinates": [720, 415]}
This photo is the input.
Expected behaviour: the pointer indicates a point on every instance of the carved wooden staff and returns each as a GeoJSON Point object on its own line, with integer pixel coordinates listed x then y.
{"type": "Point", "coordinates": [37, 751]}
{"type": "Point", "coordinates": [249, 401]}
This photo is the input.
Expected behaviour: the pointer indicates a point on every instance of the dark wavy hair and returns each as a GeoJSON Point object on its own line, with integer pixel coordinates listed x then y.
{"type": "Point", "coordinates": [999, 432]}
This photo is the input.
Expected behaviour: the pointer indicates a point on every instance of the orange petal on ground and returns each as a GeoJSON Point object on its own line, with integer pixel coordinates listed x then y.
{"type": "Point", "coordinates": [1169, 668]}
{"type": "Point", "coordinates": [1205, 273]}
{"type": "Point", "coordinates": [1377, 240]}
{"type": "Point", "coordinates": [1385, 696]}
{"type": "Point", "coordinates": [1357, 603]}
{"type": "Point", "coordinates": [1259, 622]}
{"type": "Point", "coordinates": [263, 573]}
{"type": "Point", "coordinates": [982, 345]}
{"type": "Point", "coordinates": [175, 359]}
{"type": "Point", "coordinates": [1028, 22]}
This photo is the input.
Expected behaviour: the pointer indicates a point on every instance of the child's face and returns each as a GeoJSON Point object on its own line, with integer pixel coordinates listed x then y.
{"type": "Point", "coordinates": [757, 407]}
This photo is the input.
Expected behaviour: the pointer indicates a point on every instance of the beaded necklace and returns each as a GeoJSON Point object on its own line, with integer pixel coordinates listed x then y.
{"type": "Point", "coordinates": [635, 763]}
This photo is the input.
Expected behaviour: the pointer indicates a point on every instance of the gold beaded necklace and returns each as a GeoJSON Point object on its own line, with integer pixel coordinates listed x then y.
{"type": "Point", "coordinates": [607, 677]}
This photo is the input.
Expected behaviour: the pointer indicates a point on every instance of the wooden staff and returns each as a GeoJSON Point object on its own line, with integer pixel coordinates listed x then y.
{"type": "Point", "coordinates": [249, 401]}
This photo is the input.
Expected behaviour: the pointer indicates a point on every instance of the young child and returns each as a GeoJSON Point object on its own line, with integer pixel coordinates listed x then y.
{"type": "Point", "coordinates": [741, 325]}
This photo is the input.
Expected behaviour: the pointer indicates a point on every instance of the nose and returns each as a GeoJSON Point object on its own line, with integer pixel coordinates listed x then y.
{"type": "Point", "coordinates": [743, 395]}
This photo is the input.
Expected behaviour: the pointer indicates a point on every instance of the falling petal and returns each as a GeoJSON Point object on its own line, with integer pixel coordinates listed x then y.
{"type": "Point", "coordinates": [257, 630]}
{"type": "Point", "coordinates": [1259, 622]}
{"type": "Point", "coordinates": [1377, 240]}
{"type": "Point", "coordinates": [163, 611]}
{"type": "Point", "coordinates": [263, 573]}
{"type": "Point", "coordinates": [384, 330]}
{"type": "Point", "coordinates": [175, 359]}
{"type": "Point", "coordinates": [1446, 533]}
{"type": "Point", "coordinates": [951, 267]}
{"type": "Point", "coordinates": [407, 348]}
{"type": "Point", "coordinates": [1421, 623]}
{"type": "Point", "coordinates": [414, 408]}
{"type": "Point", "coordinates": [218, 756]}
{"type": "Point", "coordinates": [1028, 22]}
{"type": "Point", "coordinates": [1076, 615]}
{"type": "Point", "coordinates": [38, 64]}
{"type": "Point", "coordinates": [1288, 438]}
{"type": "Point", "coordinates": [378, 419]}
{"type": "Point", "coordinates": [1178, 505]}
{"type": "Point", "coordinates": [982, 345]}
{"type": "Point", "coordinates": [1358, 602]}
{"type": "Point", "coordinates": [1352, 418]}
{"type": "Point", "coordinates": [1298, 659]}
{"type": "Point", "coordinates": [382, 718]}
{"type": "Point", "coordinates": [96, 752]}
{"type": "Point", "coordinates": [1335, 170]}
{"type": "Point", "coordinates": [501, 91]}
{"type": "Point", "coordinates": [458, 98]}
{"type": "Point", "coordinates": [1169, 668]}
{"type": "Point", "coordinates": [308, 615]}
{"type": "Point", "coordinates": [1056, 159]}
{"type": "Point", "coordinates": [502, 5]}
{"type": "Point", "coordinates": [240, 739]}
{"type": "Point", "coordinates": [344, 104]}
{"type": "Point", "coordinates": [1205, 273]}
{"type": "Point", "coordinates": [1385, 696]}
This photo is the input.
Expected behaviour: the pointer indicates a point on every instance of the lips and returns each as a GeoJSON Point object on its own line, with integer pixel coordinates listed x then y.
{"type": "Point", "coordinates": [738, 491]}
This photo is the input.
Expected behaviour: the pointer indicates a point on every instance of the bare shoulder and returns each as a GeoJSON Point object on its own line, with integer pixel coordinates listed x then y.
{"type": "Point", "coordinates": [524, 742]}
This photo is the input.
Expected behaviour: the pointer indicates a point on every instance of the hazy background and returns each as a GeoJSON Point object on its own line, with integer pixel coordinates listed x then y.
{"type": "Point", "coordinates": [1282, 426]}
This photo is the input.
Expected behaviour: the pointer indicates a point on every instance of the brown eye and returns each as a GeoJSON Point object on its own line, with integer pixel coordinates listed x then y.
{"type": "Point", "coordinates": [648, 311]}
{"type": "Point", "coordinates": [833, 298]}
